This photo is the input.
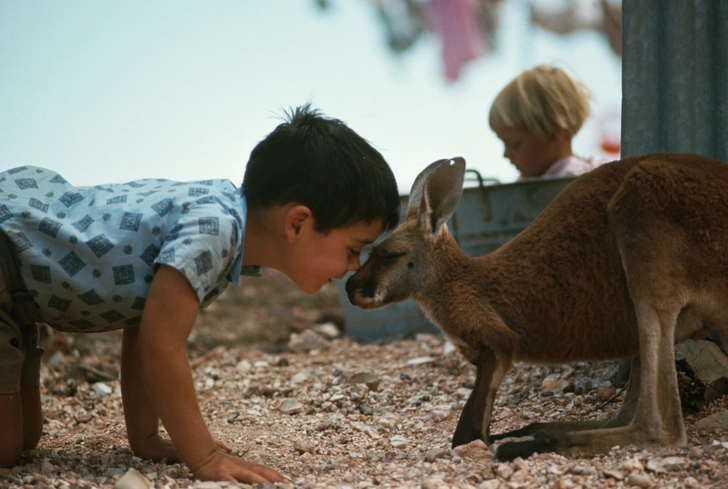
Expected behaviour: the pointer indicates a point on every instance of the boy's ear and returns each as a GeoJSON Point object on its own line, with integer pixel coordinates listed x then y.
{"type": "Point", "coordinates": [294, 220]}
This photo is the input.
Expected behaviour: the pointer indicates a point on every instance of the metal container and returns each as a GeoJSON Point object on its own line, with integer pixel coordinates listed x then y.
{"type": "Point", "coordinates": [488, 216]}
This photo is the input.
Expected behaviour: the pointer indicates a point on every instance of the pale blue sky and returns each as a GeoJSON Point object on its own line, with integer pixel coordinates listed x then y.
{"type": "Point", "coordinates": [114, 91]}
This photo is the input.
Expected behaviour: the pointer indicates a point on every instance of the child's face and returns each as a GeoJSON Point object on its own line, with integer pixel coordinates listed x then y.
{"type": "Point", "coordinates": [318, 259]}
{"type": "Point", "coordinates": [531, 155]}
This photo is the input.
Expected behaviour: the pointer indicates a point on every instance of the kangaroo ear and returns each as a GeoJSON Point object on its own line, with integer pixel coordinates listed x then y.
{"type": "Point", "coordinates": [415, 196]}
{"type": "Point", "coordinates": [441, 194]}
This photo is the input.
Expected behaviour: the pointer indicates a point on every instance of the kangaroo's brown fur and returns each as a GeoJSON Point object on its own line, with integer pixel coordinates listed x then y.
{"type": "Point", "coordinates": [628, 260]}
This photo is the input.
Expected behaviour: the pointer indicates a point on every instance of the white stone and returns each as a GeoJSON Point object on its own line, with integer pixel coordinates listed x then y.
{"type": "Point", "coordinates": [102, 389]}
{"type": "Point", "coordinates": [243, 366]}
{"type": "Point", "coordinates": [398, 441]}
{"type": "Point", "coordinates": [133, 479]}
{"type": "Point", "coordinates": [291, 406]}
{"type": "Point", "coordinates": [413, 362]}
{"type": "Point", "coordinates": [449, 348]}
{"type": "Point", "coordinates": [300, 377]}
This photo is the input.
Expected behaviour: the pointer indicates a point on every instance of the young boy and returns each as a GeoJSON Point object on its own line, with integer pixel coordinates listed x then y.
{"type": "Point", "coordinates": [536, 116]}
{"type": "Point", "coordinates": [147, 255]}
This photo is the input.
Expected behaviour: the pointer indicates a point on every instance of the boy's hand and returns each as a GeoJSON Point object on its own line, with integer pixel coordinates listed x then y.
{"type": "Point", "coordinates": [157, 448]}
{"type": "Point", "coordinates": [223, 467]}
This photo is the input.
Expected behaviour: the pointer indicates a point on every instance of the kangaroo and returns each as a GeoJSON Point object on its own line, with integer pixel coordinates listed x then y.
{"type": "Point", "coordinates": [628, 260]}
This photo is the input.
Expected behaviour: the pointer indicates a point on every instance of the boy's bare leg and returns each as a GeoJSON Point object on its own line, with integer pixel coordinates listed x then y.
{"type": "Point", "coordinates": [11, 426]}
{"type": "Point", "coordinates": [32, 413]}
{"type": "Point", "coordinates": [11, 408]}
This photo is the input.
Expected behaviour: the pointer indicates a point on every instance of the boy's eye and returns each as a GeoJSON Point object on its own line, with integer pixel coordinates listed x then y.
{"type": "Point", "coordinates": [354, 252]}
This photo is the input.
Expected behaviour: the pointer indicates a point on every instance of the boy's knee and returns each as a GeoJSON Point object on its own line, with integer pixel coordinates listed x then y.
{"type": "Point", "coordinates": [11, 358]}
{"type": "Point", "coordinates": [20, 356]}
{"type": "Point", "coordinates": [11, 427]}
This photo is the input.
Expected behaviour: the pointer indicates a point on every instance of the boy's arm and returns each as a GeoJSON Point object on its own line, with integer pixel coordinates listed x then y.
{"type": "Point", "coordinates": [164, 369]}
{"type": "Point", "coordinates": [142, 422]}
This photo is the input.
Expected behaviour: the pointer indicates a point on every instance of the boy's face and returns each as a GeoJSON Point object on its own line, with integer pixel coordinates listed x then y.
{"type": "Point", "coordinates": [531, 155]}
{"type": "Point", "coordinates": [318, 259]}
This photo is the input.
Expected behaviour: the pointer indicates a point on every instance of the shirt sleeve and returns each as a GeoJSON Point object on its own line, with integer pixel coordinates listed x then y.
{"type": "Point", "coordinates": [202, 245]}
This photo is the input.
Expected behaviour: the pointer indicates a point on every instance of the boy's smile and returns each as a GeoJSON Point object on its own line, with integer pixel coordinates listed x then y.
{"type": "Point", "coordinates": [318, 259]}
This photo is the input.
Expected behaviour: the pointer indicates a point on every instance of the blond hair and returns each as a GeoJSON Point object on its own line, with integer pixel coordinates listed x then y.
{"type": "Point", "coordinates": [539, 100]}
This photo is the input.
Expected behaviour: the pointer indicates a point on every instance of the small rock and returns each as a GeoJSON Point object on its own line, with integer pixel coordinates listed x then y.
{"type": "Point", "coordinates": [102, 389]}
{"type": "Point", "coordinates": [666, 464]}
{"type": "Point", "coordinates": [243, 367]}
{"type": "Point", "coordinates": [642, 481]}
{"type": "Point", "coordinates": [449, 348]}
{"type": "Point", "coordinates": [490, 484]}
{"type": "Point", "coordinates": [475, 450]}
{"type": "Point", "coordinates": [291, 406]}
{"type": "Point", "coordinates": [113, 472]}
{"type": "Point", "coordinates": [695, 452]}
{"type": "Point", "coordinates": [365, 428]}
{"type": "Point", "coordinates": [504, 471]}
{"type": "Point", "coordinates": [615, 474]}
{"type": "Point", "coordinates": [441, 413]}
{"type": "Point", "coordinates": [47, 467]}
{"type": "Point", "coordinates": [306, 341]}
{"type": "Point", "coordinates": [605, 392]}
{"type": "Point", "coordinates": [206, 485]}
{"type": "Point", "coordinates": [367, 378]}
{"type": "Point", "coordinates": [434, 482]}
{"type": "Point", "coordinates": [365, 409]}
{"type": "Point", "coordinates": [632, 464]}
{"type": "Point", "coordinates": [435, 453]}
{"type": "Point", "coordinates": [303, 447]}
{"type": "Point", "coordinates": [299, 378]}
{"type": "Point", "coordinates": [717, 421]}
{"type": "Point", "coordinates": [327, 330]}
{"type": "Point", "coordinates": [56, 359]}
{"type": "Point", "coordinates": [398, 441]}
{"type": "Point", "coordinates": [133, 479]}
{"type": "Point", "coordinates": [526, 414]}
{"type": "Point", "coordinates": [554, 385]}
{"type": "Point", "coordinates": [413, 362]}
{"type": "Point", "coordinates": [82, 416]}
{"type": "Point", "coordinates": [691, 483]}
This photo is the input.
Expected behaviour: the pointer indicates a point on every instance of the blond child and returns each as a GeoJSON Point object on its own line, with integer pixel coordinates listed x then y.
{"type": "Point", "coordinates": [536, 116]}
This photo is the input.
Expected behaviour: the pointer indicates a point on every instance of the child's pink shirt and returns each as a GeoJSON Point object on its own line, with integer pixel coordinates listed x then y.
{"type": "Point", "coordinates": [571, 165]}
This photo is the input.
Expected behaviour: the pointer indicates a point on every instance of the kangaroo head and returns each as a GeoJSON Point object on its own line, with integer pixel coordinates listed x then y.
{"type": "Point", "coordinates": [406, 261]}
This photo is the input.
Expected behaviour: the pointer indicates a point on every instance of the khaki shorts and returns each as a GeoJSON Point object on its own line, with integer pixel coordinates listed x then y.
{"type": "Point", "coordinates": [20, 355]}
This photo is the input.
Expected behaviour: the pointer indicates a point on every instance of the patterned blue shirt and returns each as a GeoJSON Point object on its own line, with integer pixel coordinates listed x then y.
{"type": "Point", "coordinates": [88, 254]}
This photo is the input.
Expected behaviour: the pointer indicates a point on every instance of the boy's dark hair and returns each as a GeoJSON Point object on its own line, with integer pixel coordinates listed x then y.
{"type": "Point", "coordinates": [321, 163]}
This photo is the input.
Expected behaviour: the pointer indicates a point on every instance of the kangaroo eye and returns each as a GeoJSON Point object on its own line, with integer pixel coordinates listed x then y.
{"type": "Point", "coordinates": [392, 256]}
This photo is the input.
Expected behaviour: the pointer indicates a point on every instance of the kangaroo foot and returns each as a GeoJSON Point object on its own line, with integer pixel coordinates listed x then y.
{"type": "Point", "coordinates": [513, 449]}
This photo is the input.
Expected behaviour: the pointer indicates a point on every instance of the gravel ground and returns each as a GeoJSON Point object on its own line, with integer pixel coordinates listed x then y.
{"type": "Point", "coordinates": [346, 415]}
